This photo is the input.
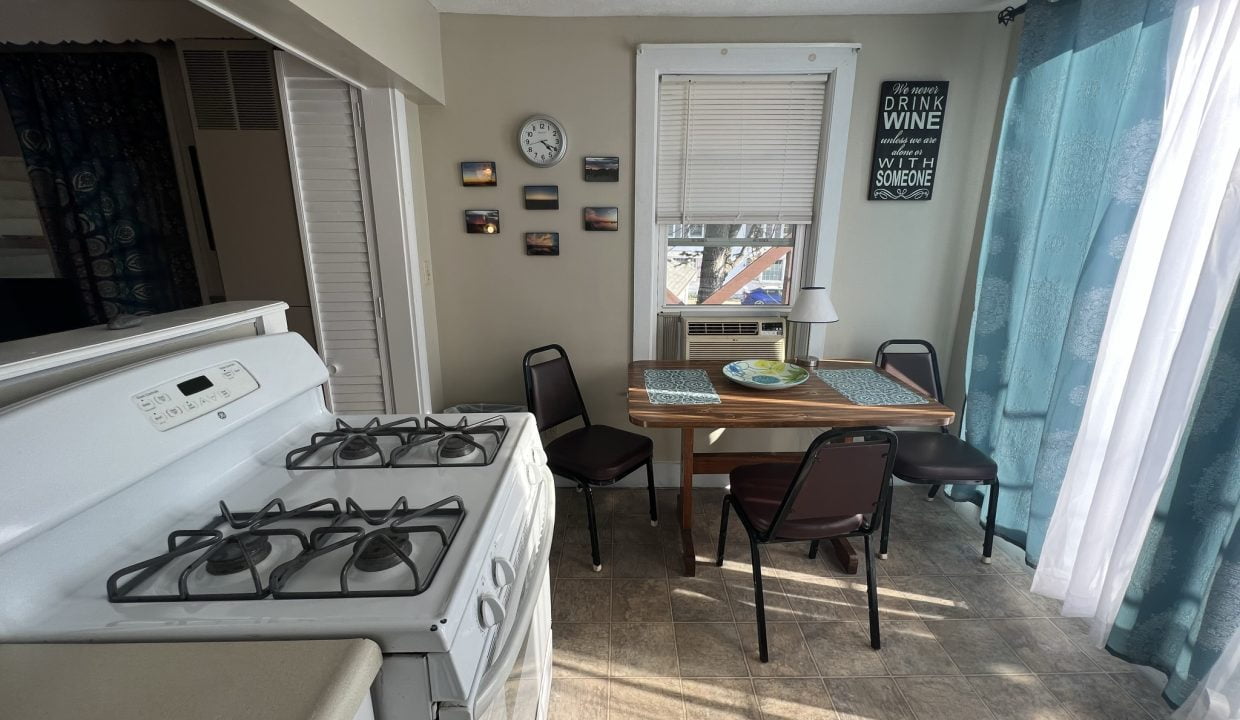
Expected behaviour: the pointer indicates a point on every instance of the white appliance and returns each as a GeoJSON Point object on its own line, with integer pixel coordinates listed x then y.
{"type": "Point", "coordinates": [729, 338]}
{"type": "Point", "coordinates": [189, 499]}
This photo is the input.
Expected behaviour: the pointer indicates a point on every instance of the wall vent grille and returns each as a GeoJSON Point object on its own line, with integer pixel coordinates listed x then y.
{"type": "Point", "coordinates": [232, 89]}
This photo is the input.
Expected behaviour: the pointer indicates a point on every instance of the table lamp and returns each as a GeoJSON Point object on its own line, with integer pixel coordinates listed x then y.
{"type": "Point", "coordinates": [813, 305]}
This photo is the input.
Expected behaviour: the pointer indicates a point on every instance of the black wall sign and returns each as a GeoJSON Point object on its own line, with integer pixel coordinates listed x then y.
{"type": "Point", "coordinates": [906, 141]}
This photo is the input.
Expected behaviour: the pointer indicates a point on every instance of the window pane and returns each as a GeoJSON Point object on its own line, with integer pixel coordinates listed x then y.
{"type": "Point", "coordinates": [729, 264]}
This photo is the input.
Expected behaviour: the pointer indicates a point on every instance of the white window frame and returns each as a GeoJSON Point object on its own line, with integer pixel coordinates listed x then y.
{"type": "Point", "coordinates": [839, 61]}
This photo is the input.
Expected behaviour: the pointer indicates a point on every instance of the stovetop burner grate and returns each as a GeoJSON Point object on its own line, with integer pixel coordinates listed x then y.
{"type": "Point", "coordinates": [412, 444]}
{"type": "Point", "coordinates": [380, 540]}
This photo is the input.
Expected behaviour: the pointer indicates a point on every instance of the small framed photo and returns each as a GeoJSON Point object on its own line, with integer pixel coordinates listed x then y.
{"type": "Point", "coordinates": [601, 169]}
{"type": "Point", "coordinates": [542, 243]}
{"type": "Point", "coordinates": [482, 221]}
{"type": "Point", "coordinates": [602, 218]}
{"type": "Point", "coordinates": [478, 174]}
{"type": "Point", "coordinates": [542, 197]}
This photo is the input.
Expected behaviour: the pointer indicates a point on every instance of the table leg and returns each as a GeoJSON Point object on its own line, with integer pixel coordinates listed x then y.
{"type": "Point", "coordinates": [845, 554]}
{"type": "Point", "coordinates": [685, 502]}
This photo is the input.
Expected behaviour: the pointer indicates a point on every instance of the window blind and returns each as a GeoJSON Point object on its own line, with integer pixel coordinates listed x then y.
{"type": "Point", "coordinates": [738, 149]}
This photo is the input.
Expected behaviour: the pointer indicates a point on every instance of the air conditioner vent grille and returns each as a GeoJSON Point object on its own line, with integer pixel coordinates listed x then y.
{"type": "Point", "coordinates": [722, 327]}
{"type": "Point", "coordinates": [733, 338]}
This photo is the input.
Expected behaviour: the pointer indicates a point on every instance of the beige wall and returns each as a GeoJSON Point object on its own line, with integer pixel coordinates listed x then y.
{"type": "Point", "coordinates": [899, 267]}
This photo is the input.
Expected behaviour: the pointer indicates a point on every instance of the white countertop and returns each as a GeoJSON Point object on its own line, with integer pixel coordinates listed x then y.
{"type": "Point", "coordinates": [44, 352]}
{"type": "Point", "coordinates": [291, 680]}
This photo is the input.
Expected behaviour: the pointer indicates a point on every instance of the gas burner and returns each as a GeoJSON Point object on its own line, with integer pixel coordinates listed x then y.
{"type": "Point", "coordinates": [357, 448]}
{"type": "Point", "coordinates": [346, 445]}
{"type": "Point", "coordinates": [380, 553]}
{"type": "Point", "coordinates": [317, 550]}
{"type": "Point", "coordinates": [404, 443]}
{"type": "Point", "coordinates": [231, 554]}
{"type": "Point", "coordinates": [456, 446]}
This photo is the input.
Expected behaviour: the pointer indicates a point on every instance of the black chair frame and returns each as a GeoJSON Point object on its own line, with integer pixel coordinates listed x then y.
{"type": "Point", "coordinates": [583, 484]}
{"type": "Point", "coordinates": [992, 505]}
{"type": "Point", "coordinates": [771, 535]}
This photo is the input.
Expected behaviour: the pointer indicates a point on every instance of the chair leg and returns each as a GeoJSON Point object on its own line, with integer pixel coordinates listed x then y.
{"type": "Point", "coordinates": [594, 552]}
{"type": "Point", "coordinates": [871, 583]}
{"type": "Point", "coordinates": [654, 506]}
{"type": "Point", "coordinates": [759, 603]}
{"type": "Point", "coordinates": [813, 550]}
{"type": "Point", "coordinates": [934, 490]}
{"type": "Point", "coordinates": [992, 510]}
{"type": "Point", "coordinates": [882, 546]}
{"type": "Point", "coordinates": [723, 530]}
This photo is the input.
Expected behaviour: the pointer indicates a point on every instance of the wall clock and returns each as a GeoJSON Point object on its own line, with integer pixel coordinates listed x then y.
{"type": "Point", "coordinates": [542, 140]}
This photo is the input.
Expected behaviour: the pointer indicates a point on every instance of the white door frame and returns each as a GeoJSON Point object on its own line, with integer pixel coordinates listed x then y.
{"type": "Point", "coordinates": [389, 154]}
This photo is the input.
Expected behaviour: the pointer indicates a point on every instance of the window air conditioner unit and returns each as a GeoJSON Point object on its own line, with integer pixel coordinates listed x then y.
{"type": "Point", "coordinates": [733, 338]}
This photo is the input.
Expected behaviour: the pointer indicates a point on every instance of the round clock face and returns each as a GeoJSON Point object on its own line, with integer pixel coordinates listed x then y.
{"type": "Point", "coordinates": [542, 141]}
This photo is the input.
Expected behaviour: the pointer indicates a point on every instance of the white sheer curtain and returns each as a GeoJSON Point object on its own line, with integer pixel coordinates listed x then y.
{"type": "Point", "coordinates": [1171, 295]}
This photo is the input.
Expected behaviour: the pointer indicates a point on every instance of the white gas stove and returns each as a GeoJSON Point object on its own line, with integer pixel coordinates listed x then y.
{"type": "Point", "coordinates": [209, 495]}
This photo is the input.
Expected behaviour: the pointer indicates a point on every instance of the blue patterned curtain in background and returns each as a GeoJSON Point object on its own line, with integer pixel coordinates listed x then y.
{"type": "Point", "coordinates": [95, 141]}
{"type": "Point", "coordinates": [1183, 602]}
{"type": "Point", "coordinates": [1079, 132]}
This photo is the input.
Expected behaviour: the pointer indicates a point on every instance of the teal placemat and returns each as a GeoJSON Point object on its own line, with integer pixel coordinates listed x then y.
{"type": "Point", "coordinates": [864, 386]}
{"type": "Point", "coordinates": [680, 387]}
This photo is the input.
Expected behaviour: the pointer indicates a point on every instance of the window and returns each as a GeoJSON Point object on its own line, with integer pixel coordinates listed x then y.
{"type": "Point", "coordinates": [733, 264]}
{"type": "Point", "coordinates": [738, 175]}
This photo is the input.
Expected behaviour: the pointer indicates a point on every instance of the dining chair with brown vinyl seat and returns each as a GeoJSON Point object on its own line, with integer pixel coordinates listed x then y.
{"type": "Point", "coordinates": [840, 489]}
{"type": "Point", "coordinates": [935, 458]}
{"type": "Point", "coordinates": [591, 455]}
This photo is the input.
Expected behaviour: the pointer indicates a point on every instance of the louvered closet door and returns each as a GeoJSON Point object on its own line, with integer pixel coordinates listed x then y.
{"type": "Point", "coordinates": [333, 203]}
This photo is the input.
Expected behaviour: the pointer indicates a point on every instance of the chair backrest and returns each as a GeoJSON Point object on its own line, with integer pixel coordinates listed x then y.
{"type": "Point", "coordinates": [844, 472]}
{"type": "Point", "coordinates": [919, 368]}
{"type": "Point", "coordinates": [551, 389]}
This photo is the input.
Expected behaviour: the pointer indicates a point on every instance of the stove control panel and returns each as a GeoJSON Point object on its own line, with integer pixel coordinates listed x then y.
{"type": "Point", "coordinates": [176, 402]}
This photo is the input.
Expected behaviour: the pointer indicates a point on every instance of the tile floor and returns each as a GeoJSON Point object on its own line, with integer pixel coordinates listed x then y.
{"type": "Point", "coordinates": [961, 640]}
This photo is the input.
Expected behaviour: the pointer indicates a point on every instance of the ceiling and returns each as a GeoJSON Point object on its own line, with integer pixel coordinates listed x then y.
{"type": "Point", "coordinates": [715, 8]}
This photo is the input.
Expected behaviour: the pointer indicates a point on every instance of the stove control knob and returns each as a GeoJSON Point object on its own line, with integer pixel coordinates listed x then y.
{"type": "Point", "coordinates": [502, 572]}
{"type": "Point", "coordinates": [490, 611]}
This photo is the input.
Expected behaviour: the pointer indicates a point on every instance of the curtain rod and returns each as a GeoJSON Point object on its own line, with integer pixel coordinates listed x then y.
{"type": "Point", "coordinates": [1009, 13]}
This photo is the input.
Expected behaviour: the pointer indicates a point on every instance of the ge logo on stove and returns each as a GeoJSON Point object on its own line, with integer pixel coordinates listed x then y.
{"type": "Point", "coordinates": [222, 415]}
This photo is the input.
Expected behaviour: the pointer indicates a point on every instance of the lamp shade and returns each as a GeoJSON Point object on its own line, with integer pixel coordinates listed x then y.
{"type": "Point", "coordinates": [813, 305]}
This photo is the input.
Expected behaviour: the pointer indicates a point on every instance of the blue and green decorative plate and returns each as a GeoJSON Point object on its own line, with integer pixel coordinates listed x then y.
{"type": "Point", "coordinates": [765, 374]}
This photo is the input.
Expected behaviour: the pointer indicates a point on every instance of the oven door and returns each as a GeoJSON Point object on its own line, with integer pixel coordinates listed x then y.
{"type": "Point", "coordinates": [524, 692]}
{"type": "Point", "coordinates": [517, 682]}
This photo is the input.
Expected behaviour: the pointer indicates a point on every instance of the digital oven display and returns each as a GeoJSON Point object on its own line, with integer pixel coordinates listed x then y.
{"type": "Point", "coordinates": [194, 385]}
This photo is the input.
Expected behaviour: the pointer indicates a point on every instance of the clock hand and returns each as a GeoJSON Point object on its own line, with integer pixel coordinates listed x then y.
{"type": "Point", "coordinates": [544, 142]}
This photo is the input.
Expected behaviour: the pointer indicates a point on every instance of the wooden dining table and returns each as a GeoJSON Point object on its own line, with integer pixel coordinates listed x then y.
{"type": "Point", "coordinates": [812, 404]}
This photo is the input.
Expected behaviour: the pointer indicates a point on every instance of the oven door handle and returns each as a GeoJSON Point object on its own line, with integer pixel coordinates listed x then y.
{"type": "Point", "coordinates": [493, 681]}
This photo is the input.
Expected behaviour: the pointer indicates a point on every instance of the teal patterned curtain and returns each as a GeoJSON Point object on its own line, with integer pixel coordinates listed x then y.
{"type": "Point", "coordinates": [95, 141]}
{"type": "Point", "coordinates": [1079, 133]}
{"type": "Point", "coordinates": [1183, 602]}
